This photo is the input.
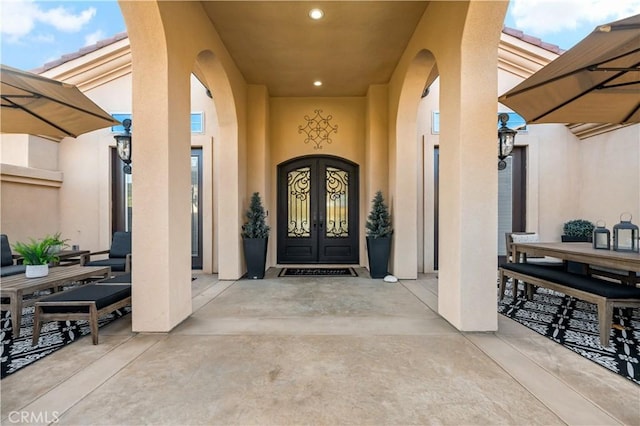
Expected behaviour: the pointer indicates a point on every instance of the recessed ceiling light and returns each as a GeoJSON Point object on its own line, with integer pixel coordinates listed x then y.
{"type": "Point", "coordinates": [316, 14]}
{"type": "Point", "coordinates": [317, 83]}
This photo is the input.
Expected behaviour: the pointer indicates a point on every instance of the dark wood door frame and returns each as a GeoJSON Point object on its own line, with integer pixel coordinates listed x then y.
{"type": "Point", "coordinates": [196, 198]}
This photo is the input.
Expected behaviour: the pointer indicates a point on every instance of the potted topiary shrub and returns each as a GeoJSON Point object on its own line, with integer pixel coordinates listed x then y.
{"type": "Point", "coordinates": [36, 255]}
{"type": "Point", "coordinates": [379, 231]}
{"type": "Point", "coordinates": [255, 236]}
{"type": "Point", "coordinates": [577, 230]}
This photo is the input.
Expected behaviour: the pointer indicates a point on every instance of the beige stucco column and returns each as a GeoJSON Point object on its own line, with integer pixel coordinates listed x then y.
{"type": "Point", "coordinates": [458, 40]}
{"type": "Point", "coordinates": [161, 290]}
{"type": "Point", "coordinates": [375, 170]}
{"type": "Point", "coordinates": [257, 156]}
{"type": "Point", "coordinates": [169, 40]}
{"type": "Point", "coordinates": [468, 175]}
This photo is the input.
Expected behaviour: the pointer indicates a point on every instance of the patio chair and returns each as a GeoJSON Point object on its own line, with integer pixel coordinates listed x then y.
{"type": "Point", "coordinates": [8, 265]}
{"type": "Point", "coordinates": [119, 255]}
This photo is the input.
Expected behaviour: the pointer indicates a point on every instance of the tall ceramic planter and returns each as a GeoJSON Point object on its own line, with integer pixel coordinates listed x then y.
{"type": "Point", "coordinates": [37, 271]}
{"type": "Point", "coordinates": [255, 254]}
{"type": "Point", "coordinates": [378, 251]}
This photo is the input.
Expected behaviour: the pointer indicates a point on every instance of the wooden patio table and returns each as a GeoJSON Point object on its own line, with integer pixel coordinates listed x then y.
{"type": "Point", "coordinates": [14, 287]}
{"type": "Point", "coordinates": [70, 257]}
{"type": "Point", "coordinates": [583, 253]}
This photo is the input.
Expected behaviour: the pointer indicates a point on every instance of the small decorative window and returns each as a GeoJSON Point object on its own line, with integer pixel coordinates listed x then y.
{"type": "Point", "coordinates": [197, 122]}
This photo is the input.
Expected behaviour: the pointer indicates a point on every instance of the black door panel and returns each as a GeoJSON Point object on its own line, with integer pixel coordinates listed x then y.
{"type": "Point", "coordinates": [318, 211]}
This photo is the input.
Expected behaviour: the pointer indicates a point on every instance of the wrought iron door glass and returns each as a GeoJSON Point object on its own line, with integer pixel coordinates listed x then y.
{"type": "Point", "coordinates": [298, 204]}
{"type": "Point", "coordinates": [337, 203]}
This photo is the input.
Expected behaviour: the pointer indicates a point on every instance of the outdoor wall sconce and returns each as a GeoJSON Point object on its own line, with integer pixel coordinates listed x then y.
{"type": "Point", "coordinates": [506, 140]}
{"type": "Point", "coordinates": [601, 236]}
{"type": "Point", "coordinates": [625, 235]}
{"type": "Point", "coordinates": [123, 145]}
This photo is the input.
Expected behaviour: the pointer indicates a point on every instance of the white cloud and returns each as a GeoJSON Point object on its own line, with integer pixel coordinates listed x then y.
{"type": "Point", "coordinates": [16, 19]}
{"type": "Point", "coordinates": [19, 18]}
{"type": "Point", "coordinates": [65, 20]}
{"type": "Point", "coordinates": [553, 16]}
{"type": "Point", "coordinates": [94, 37]}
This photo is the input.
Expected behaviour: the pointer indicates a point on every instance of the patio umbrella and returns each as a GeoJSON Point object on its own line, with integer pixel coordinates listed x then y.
{"type": "Point", "coordinates": [37, 105]}
{"type": "Point", "coordinates": [596, 81]}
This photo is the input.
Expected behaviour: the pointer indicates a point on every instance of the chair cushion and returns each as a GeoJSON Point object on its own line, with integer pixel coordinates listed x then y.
{"type": "Point", "coordinates": [581, 282]}
{"type": "Point", "coordinates": [5, 251]}
{"type": "Point", "coordinates": [6, 271]}
{"type": "Point", "coordinates": [117, 265]}
{"type": "Point", "coordinates": [121, 245]}
{"type": "Point", "coordinates": [103, 295]}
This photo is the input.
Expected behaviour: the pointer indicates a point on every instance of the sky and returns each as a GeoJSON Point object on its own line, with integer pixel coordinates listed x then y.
{"type": "Point", "coordinates": [33, 33]}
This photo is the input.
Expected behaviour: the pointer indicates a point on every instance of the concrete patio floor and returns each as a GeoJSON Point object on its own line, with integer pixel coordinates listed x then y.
{"type": "Point", "coordinates": [328, 351]}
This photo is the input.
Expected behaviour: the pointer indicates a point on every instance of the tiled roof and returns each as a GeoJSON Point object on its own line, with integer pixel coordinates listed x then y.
{"type": "Point", "coordinates": [532, 40]}
{"type": "Point", "coordinates": [84, 51]}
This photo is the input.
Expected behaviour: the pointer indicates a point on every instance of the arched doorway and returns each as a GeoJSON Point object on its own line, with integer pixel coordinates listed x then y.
{"type": "Point", "coordinates": [318, 210]}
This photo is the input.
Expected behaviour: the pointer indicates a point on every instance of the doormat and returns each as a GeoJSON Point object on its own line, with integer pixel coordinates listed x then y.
{"type": "Point", "coordinates": [573, 323]}
{"type": "Point", "coordinates": [317, 272]}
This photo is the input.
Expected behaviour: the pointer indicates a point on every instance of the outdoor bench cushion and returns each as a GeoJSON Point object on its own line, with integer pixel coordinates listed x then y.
{"type": "Point", "coordinates": [592, 285]}
{"type": "Point", "coordinates": [102, 294]}
{"type": "Point", "coordinates": [5, 271]}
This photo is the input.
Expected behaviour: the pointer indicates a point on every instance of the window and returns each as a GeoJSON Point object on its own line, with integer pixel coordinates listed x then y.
{"type": "Point", "coordinates": [197, 122]}
{"type": "Point", "coordinates": [516, 122]}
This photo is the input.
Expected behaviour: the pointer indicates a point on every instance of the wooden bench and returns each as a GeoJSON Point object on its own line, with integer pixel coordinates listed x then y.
{"type": "Point", "coordinates": [604, 294]}
{"type": "Point", "coordinates": [88, 303]}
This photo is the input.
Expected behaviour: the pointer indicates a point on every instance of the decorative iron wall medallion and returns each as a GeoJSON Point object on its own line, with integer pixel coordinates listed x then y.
{"type": "Point", "coordinates": [318, 129]}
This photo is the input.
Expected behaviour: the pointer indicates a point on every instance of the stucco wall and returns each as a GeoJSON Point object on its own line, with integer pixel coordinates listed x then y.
{"type": "Point", "coordinates": [86, 161]}
{"type": "Point", "coordinates": [28, 210]}
{"type": "Point", "coordinates": [29, 191]}
{"type": "Point", "coordinates": [610, 176]}
{"type": "Point", "coordinates": [288, 114]}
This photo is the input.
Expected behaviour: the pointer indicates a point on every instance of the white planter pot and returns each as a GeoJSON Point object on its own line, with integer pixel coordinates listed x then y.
{"type": "Point", "coordinates": [37, 271]}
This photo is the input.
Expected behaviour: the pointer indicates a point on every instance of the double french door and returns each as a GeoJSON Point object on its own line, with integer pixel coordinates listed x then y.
{"type": "Point", "coordinates": [318, 211]}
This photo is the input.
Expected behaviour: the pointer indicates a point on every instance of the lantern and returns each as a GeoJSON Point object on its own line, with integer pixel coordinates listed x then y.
{"type": "Point", "coordinates": [123, 145]}
{"type": "Point", "coordinates": [506, 140]}
{"type": "Point", "coordinates": [601, 236]}
{"type": "Point", "coordinates": [625, 235]}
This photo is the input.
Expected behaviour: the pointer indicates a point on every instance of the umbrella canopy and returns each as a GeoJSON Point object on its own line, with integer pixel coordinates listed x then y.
{"type": "Point", "coordinates": [37, 105]}
{"type": "Point", "coordinates": [596, 81]}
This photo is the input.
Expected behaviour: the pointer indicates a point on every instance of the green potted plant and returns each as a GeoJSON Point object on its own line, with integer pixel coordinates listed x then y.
{"type": "Point", "coordinates": [36, 255]}
{"type": "Point", "coordinates": [255, 236]}
{"type": "Point", "coordinates": [379, 231]}
{"type": "Point", "coordinates": [57, 243]}
{"type": "Point", "coordinates": [577, 230]}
